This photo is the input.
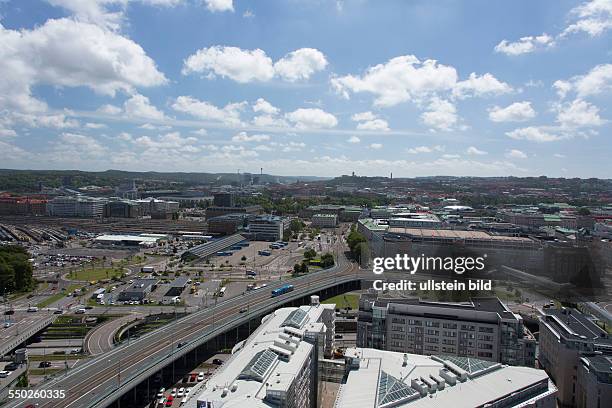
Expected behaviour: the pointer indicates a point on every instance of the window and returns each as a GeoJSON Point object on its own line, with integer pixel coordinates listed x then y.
{"type": "Point", "coordinates": [449, 325]}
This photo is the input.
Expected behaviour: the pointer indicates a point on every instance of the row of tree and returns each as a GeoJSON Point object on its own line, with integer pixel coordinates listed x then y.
{"type": "Point", "coordinates": [15, 269]}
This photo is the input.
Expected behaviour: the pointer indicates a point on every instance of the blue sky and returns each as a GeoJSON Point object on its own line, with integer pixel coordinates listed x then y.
{"type": "Point", "coordinates": [305, 87]}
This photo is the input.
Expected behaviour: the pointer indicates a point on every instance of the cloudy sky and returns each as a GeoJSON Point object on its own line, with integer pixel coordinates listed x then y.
{"type": "Point", "coordinates": [308, 87]}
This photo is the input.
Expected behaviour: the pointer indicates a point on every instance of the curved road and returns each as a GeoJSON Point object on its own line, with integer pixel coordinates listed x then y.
{"type": "Point", "coordinates": [100, 340]}
{"type": "Point", "coordinates": [92, 383]}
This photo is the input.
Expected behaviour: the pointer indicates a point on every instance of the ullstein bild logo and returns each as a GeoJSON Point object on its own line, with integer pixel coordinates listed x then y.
{"type": "Point", "coordinates": [410, 264]}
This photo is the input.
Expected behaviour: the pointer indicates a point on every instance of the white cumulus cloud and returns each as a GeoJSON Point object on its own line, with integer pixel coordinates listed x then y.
{"type": "Point", "coordinates": [254, 65]}
{"type": "Point", "coordinates": [525, 45]}
{"type": "Point", "coordinates": [312, 118]}
{"type": "Point", "coordinates": [516, 112]}
{"type": "Point", "coordinates": [441, 115]}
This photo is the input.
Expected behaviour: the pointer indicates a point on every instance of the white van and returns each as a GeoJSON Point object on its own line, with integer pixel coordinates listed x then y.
{"type": "Point", "coordinates": [32, 309]}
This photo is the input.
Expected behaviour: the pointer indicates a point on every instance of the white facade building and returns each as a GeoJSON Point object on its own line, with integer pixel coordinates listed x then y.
{"type": "Point", "coordinates": [76, 206]}
{"type": "Point", "coordinates": [277, 366]}
{"type": "Point", "coordinates": [268, 227]}
{"type": "Point", "coordinates": [325, 220]}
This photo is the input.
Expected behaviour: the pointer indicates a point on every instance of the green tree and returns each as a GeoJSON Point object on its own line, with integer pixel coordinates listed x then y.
{"type": "Point", "coordinates": [310, 254]}
{"type": "Point", "coordinates": [327, 260]}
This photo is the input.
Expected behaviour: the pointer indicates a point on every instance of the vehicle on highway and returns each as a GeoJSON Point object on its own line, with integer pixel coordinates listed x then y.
{"type": "Point", "coordinates": [200, 376]}
{"type": "Point", "coordinates": [282, 290]}
{"type": "Point", "coordinates": [44, 364]}
{"type": "Point", "coordinates": [244, 310]}
{"type": "Point", "coordinates": [217, 361]}
{"type": "Point", "coordinates": [4, 374]}
{"type": "Point", "coordinates": [80, 311]}
{"type": "Point", "coordinates": [9, 312]}
{"type": "Point", "coordinates": [32, 309]}
{"type": "Point", "coordinates": [181, 344]}
{"type": "Point", "coordinates": [58, 311]}
{"type": "Point", "coordinates": [250, 273]}
{"type": "Point", "coordinates": [75, 351]}
{"type": "Point", "coordinates": [222, 291]}
{"type": "Point", "coordinates": [7, 325]}
{"type": "Point", "coordinates": [88, 307]}
{"type": "Point", "coordinates": [11, 366]}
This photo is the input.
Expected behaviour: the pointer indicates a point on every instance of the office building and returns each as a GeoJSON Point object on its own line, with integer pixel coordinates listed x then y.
{"type": "Point", "coordinates": [76, 206]}
{"type": "Point", "coordinates": [414, 220]}
{"type": "Point", "coordinates": [17, 205]}
{"type": "Point", "coordinates": [138, 290]}
{"type": "Point", "coordinates": [277, 366]}
{"type": "Point", "coordinates": [324, 220]}
{"type": "Point", "coordinates": [224, 200]}
{"type": "Point", "coordinates": [227, 224]}
{"type": "Point", "coordinates": [381, 379]}
{"type": "Point", "coordinates": [566, 336]}
{"type": "Point", "coordinates": [268, 227]}
{"type": "Point", "coordinates": [594, 381]}
{"type": "Point", "coordinates": [121, 209]}
{"type": "Point", "coordinates": [483, 328]}
{"type": "Point", "coordinates": [215, 211]}
{"type": "Point", "coordinates": [344, 213]}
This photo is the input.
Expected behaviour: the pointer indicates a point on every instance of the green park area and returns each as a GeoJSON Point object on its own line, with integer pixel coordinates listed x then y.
{"type": "Point", "coordinates": [95, 274]}
{"type": "Point", "coordinates": [349, 300]}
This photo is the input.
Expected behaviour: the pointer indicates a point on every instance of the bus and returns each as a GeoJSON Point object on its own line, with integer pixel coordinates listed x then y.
{"type": "Point", "coordinates": [222, 291]}
{"type": "Point", "coordinates": [282, 290]}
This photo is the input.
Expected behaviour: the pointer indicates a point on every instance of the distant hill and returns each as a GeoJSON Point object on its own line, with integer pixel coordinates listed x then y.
{"type": "Point", "coordinates": [28, 180]}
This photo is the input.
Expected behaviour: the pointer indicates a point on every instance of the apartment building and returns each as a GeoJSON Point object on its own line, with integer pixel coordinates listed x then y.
{"type": "Point", "coordinates": [594, 381]}
{"type": "Point", "coordinates": [277, 366]}
{"type": "Point", "coordinates": [566, 336]}
{"type": "Point", "coordinates": [483, 328]}
{"type": "Point", "coordinates": [381, 379]}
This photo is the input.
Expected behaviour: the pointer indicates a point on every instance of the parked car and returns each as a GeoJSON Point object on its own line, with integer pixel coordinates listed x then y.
{"type": "Point", "coordinates": [217, 361]}
{"type": "Point", "coordinates": [160, 394]}
{"type": "Point", "coordinates": [200, 376]}
{"type": "Point", "coordinates": [180, 392]}
{"type": "Point", "coordinates": [11, 366]}
{"type": "Point", "coordinates": [4, 373]}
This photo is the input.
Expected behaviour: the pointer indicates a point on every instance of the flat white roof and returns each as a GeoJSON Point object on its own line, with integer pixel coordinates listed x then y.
{"type": "Point", "coordinates": [133, 238]}
{"type": "Point", "coordinates": [364, 388]}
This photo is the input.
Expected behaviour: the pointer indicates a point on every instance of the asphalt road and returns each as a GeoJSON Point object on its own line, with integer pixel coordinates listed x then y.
{"type": "Point", "coordinates": [100, 339]}
{"type": "Point", "coordinates": [92, 381]}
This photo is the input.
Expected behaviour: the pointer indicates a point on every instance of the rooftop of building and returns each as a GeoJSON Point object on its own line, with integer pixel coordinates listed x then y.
{"type": "Point", "coordinates": [599, 363]}
{"type": "Point", "coordinates": [389, 379]}
{"type": "Point", "coordinates": [140, 285]}
{"type": "Point", "coordinates": [482, 304]}
{"type": "Point", "coordinates": [456, 235]}
{"type": "Point", "coordinates": [372, 224]}
{"type": "Point", "coordinates": [268, 360]}
{"type": "Point", "coordinates": [325, 215]}
{"type": "Point", "coordinates": [130, 238]}
{"type": "Point", "coordinates": [573, 324]}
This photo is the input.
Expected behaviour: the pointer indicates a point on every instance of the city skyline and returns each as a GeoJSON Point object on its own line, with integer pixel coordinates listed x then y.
{"type": "Point", "coordinates": [307, 88]}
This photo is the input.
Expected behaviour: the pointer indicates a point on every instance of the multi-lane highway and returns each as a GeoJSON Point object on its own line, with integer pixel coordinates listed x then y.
{"type": "Point", "coordinates": [99, 381]}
